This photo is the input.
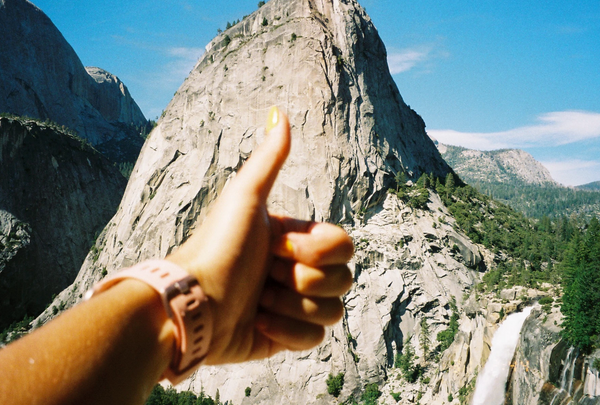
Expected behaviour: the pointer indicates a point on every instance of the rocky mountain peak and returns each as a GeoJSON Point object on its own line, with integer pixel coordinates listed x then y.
{"type": "Point", "coordinates": [111, 98]}
{"type": "Point", "coordinates": [497, 166]}
{"type": "Point", "coordinates": [42, 77]}
{"type": "Point", "coordinates": [324, 64]}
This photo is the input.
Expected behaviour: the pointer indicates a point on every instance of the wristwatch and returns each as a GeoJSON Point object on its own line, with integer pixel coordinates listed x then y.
{"type": "Point", "coordinates": [185, 303]}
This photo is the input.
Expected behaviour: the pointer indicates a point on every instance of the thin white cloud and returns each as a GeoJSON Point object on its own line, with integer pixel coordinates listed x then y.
{"type": "Point", "coordinates": [574, 172]}
{"type": "Point", "coordinates": [406, 59]}
{"type": "Point", "coordinates": [419, 57]}
{"type": "Point", "coordinates": [182, 61]}
{"type": "Point", "coordinates": [553, 129]}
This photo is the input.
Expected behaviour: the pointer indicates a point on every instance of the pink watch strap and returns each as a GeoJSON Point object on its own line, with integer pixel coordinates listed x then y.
{"type": "Point", "coordinates": [185, 303]}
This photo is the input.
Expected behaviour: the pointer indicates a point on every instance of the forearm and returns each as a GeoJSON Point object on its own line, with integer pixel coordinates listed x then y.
{"type": "Point", "coordinates": [111, 349]}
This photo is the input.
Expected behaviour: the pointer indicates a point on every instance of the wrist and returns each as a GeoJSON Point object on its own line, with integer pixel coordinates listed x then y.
{"type": "Point", "coordinates": [184, 303]}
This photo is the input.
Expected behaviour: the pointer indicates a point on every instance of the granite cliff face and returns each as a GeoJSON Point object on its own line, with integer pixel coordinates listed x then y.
{"type": "Point", "coordinates": [42, 77]}
{"type": "Point", "coordinates": [56, 194]}
{"type": "Point", "coordinates": [351, 130]}
{"type": "Point", "coordinates": [511, 166]}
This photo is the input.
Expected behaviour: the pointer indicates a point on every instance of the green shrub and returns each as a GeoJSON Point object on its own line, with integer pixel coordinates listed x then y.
{"type": "Point", "coordinates": [126, 168]}
{"type": "Point", "coordinates": [396, 395]}
{"type": "Point", "coordinates": [546, 300]}
{"type": "Point", "coordinates": [169, 396]}
{"type": "Point", "coordinates": [248, 391]}
{"type": "Point", "coordinates": [335, 384]}
{"type": "Point", "coordinates": [15, 330]}
{"type": "Point", "coordinates": [419, 198]}
{"type": "Point", "coordinates": [405, 361]}
{"type": "Point", "coordinates": [446, 337]}
{"type": "Point", "coordinates": [371, 394]}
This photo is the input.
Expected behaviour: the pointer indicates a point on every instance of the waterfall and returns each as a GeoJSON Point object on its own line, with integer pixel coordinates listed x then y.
{"type": "Point", "coordinates": [567, 376]}
{"type": "Point", "coordinates": [568, 372]}
{"type": "Point", "coordinates": [491, 382]}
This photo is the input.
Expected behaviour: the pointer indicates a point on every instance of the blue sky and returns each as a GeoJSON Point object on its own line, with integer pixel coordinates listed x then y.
{"type": "Point", "coordinates": [483, 75]}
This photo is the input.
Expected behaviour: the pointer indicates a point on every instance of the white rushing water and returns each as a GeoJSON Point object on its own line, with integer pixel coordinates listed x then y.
{"type": "Point", "coordinates": [491, 382]}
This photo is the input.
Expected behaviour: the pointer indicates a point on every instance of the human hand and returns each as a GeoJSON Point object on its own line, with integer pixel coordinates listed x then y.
{"type": "Point", "coordinates": [273, 282]}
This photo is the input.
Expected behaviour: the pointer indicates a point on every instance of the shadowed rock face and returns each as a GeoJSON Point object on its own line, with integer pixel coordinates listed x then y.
{"type": "Point", "coordinates": [56, 194]}
{"type": "Point", "coordinates": [42, 77]}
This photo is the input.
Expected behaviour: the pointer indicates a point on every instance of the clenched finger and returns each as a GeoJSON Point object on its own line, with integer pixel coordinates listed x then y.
{"type": "Point", "coordinates": [288, 332]}
{"type": "Point", "coordinates": [312, 243]}
{"type": "Point", "coordinates": [328, 281]}
{"type": "Point", "coordinates": [321, 311]}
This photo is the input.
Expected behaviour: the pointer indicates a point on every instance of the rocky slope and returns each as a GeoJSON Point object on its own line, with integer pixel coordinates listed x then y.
{"type": "Point", "coordinates": [352, 131]}
{"type": "Point", "coordinates": [498, 166]}
{"type": "Point", "coordinates": [322, 62]}
{"type": "Point", "coordinates": [56, 194]}
{"type": "Point", "coordinates": [42, 77]}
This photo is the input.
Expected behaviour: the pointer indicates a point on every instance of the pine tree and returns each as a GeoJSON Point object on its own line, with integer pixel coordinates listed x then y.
{"type": "Point", "coordinates": [425, 339]}
{"type": "Point", "coordinates": [581, 288]}
{"type": "Point", "coordinates": [450, 183]}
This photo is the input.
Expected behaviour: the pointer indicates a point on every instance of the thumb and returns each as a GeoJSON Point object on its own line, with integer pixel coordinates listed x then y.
{"type": "Point", "coordinates": [260, 171]}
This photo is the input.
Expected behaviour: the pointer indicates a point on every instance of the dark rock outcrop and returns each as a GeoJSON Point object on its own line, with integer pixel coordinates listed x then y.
{"type": "Point", "coordinates": [56, 194]}
{"type": "Point", "coordinates": [41, 76]}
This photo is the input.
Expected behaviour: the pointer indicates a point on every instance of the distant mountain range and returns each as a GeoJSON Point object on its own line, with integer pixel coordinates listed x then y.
{"type": "Point", "coordinates": [498, 166]}
{"type": "Point", "coordinates": [514, 177]}
{"type": "Point", "coordinates": [595, 186]}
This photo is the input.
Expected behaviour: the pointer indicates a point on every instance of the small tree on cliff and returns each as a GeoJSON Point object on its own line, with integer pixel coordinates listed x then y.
{"type": "Point", "coordinates": [425, 339]}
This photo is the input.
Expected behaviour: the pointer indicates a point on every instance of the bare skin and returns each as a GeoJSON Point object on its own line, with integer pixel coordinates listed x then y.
{"type": "Point", "coordinates": [273, 282]}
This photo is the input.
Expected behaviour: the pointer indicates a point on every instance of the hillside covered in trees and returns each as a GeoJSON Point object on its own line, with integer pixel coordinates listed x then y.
{"type": "Point", "coordinates": [562, 251]}
{"type": "Point", "coordinates": [515, 178]}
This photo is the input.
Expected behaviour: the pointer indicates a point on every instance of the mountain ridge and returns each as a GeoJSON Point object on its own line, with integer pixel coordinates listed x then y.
{"type": "Point", "coordinates": [497, 166]}
{"type": "Point", "coordinates": [593, 186]}
{"type": "Point", "coordinates": [325, 65]}
{"type": "Point", "coordinates": [514, 177]}
{"type": "Point", "coordinates": [51, 208]}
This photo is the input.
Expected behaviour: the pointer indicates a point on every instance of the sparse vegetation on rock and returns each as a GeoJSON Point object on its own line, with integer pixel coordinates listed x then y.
{"type": "Point", "coordinates": [335, 384]}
